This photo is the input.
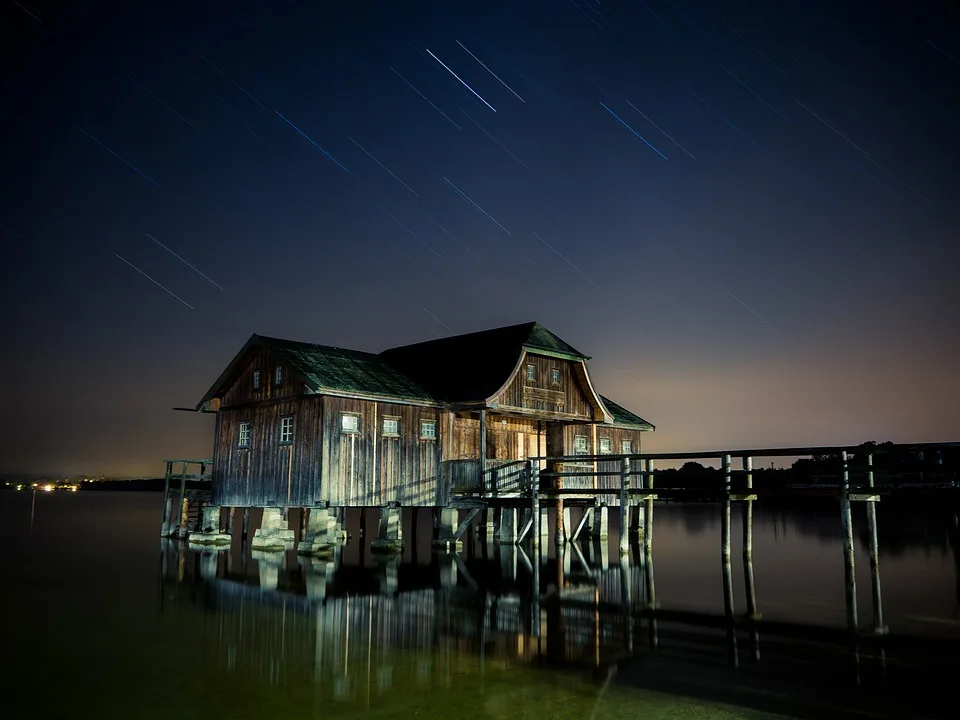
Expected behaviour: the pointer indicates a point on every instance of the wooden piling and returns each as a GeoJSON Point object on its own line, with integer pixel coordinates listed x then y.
{"type": "Point", "coordinates": [751, 593]}
{"type": "Point", "coordinates": [849, 568]}
{"type": "Point", "coordinates": [183, 493]}
{"type": "Point", "coordinates": [878, 625]}
{"type": "Point", "coordinates": [165, 509]}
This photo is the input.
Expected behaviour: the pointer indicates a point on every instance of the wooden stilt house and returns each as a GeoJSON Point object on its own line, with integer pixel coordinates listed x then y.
{"type": "Point", "coordinates": [303, 425]}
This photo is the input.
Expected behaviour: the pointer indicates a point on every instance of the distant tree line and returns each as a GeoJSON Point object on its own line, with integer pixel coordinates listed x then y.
{"type": "Point", "coordinates": [891, 466]}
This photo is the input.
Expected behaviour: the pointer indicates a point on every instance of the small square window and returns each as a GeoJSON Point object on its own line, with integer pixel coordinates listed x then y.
{"type": "Point", "coordinates": [256, 379]}
{"type": "Point", "coordinates": [605, 446]}
{"type": "Point", "coordinates": [350, 423]}
{"type": "Point", "coordinates": [391, 426]}
{"type": "Point", "coordinates": [286, 430]}
{"type": "Point", "coordinates": [277, 375]}
{"type": "Point", "coordinates": [626, 447]}
{"type": "Point", "coordinates": [581, 445]}
{"type": "Point", "coordinates": [244, 440]}
{"type": "Point", "coordinates": [428, 430]}
{"type": "Point", "coordinates": [555, 376]}
{"type": "Point", "coordinates": [531, 373]}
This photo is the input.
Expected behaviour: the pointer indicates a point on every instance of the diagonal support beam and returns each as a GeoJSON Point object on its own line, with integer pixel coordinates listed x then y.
{"type": "Point", "coordinates": [462, 527]}
{"type": "Point", "coordinates": [587, 513]}
{"type": "Point", "coordinates": [524, 530]}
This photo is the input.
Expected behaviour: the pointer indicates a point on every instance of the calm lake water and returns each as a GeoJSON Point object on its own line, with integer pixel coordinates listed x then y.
{"type": "Point", "coordinates": [102, 619]}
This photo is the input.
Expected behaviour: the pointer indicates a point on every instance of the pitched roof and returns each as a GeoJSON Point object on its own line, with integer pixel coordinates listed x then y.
{"type": "Point", "coordinates": [484, 360]}
{"type": "Point", "coordinates": [623, 417]}
{"type": "Point", "coordinates": [462, 368]}
{"type": "Point", "coordinates": [325, 368]}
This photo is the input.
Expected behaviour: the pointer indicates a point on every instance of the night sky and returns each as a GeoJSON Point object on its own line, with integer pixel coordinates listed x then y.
{"type": "Point", "coordinates": [745, 211]}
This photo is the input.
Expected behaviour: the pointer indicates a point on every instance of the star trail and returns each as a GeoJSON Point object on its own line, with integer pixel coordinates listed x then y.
{"type": "Point", "coordinates": [744, 211]}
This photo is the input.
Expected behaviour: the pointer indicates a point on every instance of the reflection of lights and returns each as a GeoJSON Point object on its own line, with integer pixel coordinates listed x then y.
{"type": "Point", "coordinates": [48, 488]}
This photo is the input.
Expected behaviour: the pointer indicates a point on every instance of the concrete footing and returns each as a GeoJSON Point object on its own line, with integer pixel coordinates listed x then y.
{"type": "Point", "coordinates": [210, 529]}
{"type": "Point", "coordinates": [389, 537]}
{"type": "Point", "coordinates": [508, 526]}
{"type": "Point", "coordinates": [273, 533]}
{"type": "Point", "coordinates": [447, 530]}
{"type": "Point", "coordinates": [322, 535]}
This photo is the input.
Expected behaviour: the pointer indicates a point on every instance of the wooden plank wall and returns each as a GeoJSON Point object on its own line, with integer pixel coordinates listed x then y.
{"type": "Point", "coordinates": [268, 474]}
{"type": "Point", "coordinates": [568, 398]}
{"type": "Point", "coordinates": [367, 469]}
{"type": "Point", "coordinates": [241, 389]}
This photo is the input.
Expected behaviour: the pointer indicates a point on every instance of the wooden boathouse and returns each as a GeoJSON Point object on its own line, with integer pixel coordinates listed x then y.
{"type": "Point", "coordinates": [448, 423]}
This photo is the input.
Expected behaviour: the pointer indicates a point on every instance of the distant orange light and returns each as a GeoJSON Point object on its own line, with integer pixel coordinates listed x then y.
{"type": "Point", "coordinates": [48, 488]}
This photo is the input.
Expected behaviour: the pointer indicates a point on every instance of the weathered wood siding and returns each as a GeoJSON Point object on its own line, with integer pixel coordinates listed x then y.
{"type": "Point", "coordinates": [366, 468]}
{"type": "Point", "coordinates": [566, 399]}
{"type": "Point", "coordinates": [268, 473]}
{"type": "Point", "coordinates": [508, 438]}
{"type": "Point", "coordinates": [241, 390]}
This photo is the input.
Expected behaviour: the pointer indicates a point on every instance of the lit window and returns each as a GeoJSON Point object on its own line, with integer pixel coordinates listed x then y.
{"type": "Point", "coordinates": [626, 447]}
{"type": "Point", "coordinates": [391, 426]}
{"type": "Point", "coordinates": [605, 446]}
{"type": "Point", "coordinates": [581, 445]}
{"type": "Point", "coordinates": [256, 379]}
{"type": "Point", "coordinates": [277, 375]}
{"type": "Point", "coordinates": [531, 373]}
{"type": "Point", "coordinates": [286, 430]}
{"type": "Point", "coordinates": [350, 423]}
{"type": "Point", "coordinates": [244, 440]}
{"type": "Point", "coordinates": [555, 375]}
{"type": "Point", "coordinates": [428, 430]}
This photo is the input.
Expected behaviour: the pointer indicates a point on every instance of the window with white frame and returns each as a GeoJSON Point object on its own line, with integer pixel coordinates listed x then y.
{"type": "Point", "coordinates": [277, 375]}
{"type": "Point", "coordinates": [256, 379]}
{"type": "Point", "coordinates": [244, 439]}
{"type": "Point", "coordinates": [581, 445]}
{"type": "Point", "coordinates": [350, 423]}
{"type": "Point", "coordinates": [428, 429]}
{"type": "Point", "coordinates": [605, 446]}
{"type": "Point", "coordinates": [286, 430]}
{"type": "Point", "coordinates": [555, 376]}
{"type": "Point", "coordinates": [626, 447]}
{"type": "Point", "coordinates": [391, 426]}
{"type": "Point", "coordinates": [531, 373]}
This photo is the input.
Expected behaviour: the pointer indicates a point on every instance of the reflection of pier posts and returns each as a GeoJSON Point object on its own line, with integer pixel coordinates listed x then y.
{"type": "Point", "coordinates": [849, 568]}
{"type": "Point", "coordinates": [878, 626]}
{"type": "Point", "coordinates": [626, 600]}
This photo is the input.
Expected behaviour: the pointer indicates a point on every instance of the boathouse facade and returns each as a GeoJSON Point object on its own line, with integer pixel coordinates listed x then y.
{"type": "Point", "coordinates": [305, 425]}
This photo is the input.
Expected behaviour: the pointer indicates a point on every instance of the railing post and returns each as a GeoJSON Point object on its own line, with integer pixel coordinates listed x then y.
{"type": "Point", "coordinates": [624, 506]}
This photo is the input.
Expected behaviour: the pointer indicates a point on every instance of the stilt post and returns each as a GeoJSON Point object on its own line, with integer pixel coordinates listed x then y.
{"type": "Point", "coordinates": [183, 493]}
{"type": "Point", "coordinates": [748, 543]}
{"type": "Point", "coordinates": [846, 522]}
{"type": "Point", "coordinates": [878, 626]}
{"type": "Point", "coordinates": [165, 516]}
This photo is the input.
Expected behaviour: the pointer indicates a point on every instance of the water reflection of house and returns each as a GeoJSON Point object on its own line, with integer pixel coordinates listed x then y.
{"type": "Point", "coordinates": [302, 425]}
